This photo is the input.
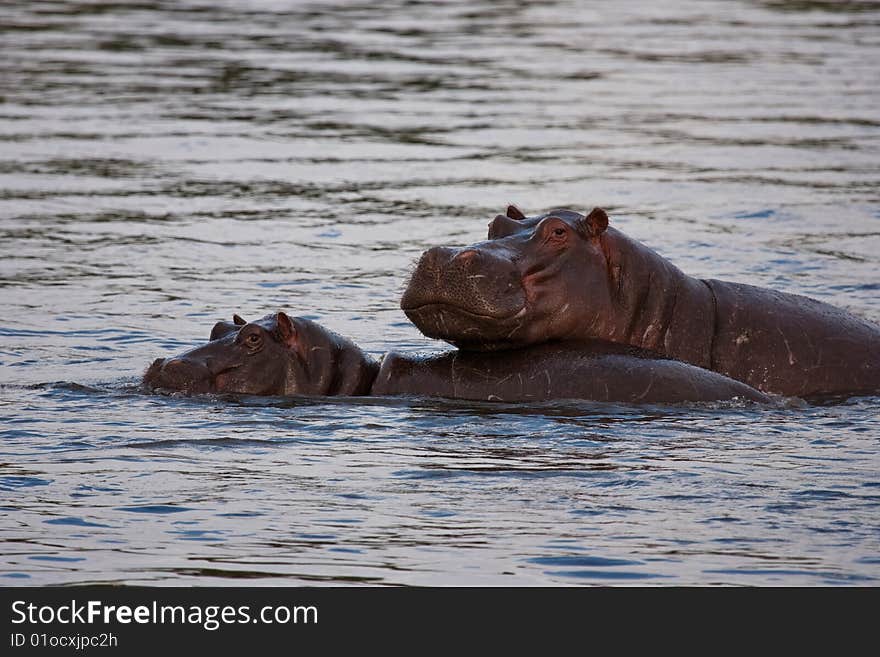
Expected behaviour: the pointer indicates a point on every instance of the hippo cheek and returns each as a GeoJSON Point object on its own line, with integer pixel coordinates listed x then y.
{"type": "Point", "coordinates": [239, 379]}
{"type": "Point", "coordinates": [250, 381]}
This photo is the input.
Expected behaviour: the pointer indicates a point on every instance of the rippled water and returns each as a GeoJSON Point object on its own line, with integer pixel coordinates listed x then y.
{"type": "Point", "coordinates": [163, 165]}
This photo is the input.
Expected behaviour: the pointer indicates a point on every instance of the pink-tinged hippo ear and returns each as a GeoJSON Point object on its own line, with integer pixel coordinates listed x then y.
{"type": "Point", "coordinates": [514, 212]}
{"type": "Point", "coordinates": [286, 330]}
{"type": "Point", "coordinates": [238, 321]}
{"type": "Point", "coordinates": [596, 222]}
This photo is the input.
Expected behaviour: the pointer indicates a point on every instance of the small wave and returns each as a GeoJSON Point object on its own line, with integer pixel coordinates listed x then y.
{"type": "Point", "coordinates": [610, 575]}
{"type": "Point", "coordinates": [583, 561]}
{"type": "Point", "coordinates": [777, 575]}
{"type": "Point", "coordinates": [14, 482]}
{"type": "Point", "coordinates": [74, 521]}
{"type": "Point", "coordinates": [160, 509]}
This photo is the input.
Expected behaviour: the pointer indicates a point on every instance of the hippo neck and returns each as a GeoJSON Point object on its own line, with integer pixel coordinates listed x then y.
{"type": "Point", "coordinates": [656, 305]}
{"type": "Point", "coordinates": [330, 365]}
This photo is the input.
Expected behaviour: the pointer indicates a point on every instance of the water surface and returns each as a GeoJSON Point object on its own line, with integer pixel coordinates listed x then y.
{"type": "Point", "coordinates": [163, 165]}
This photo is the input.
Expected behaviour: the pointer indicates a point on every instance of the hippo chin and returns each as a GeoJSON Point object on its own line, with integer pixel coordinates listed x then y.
{"type": "Point", "coordinates": [568, 276]}
{"type": "Point", "coordinates": [280, 355]}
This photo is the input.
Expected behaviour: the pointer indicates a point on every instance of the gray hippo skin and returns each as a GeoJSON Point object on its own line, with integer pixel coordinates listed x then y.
{"type": "Point", "coordinates": [282, 355]}
{"type": "Point", "coordinates": [567, 276]}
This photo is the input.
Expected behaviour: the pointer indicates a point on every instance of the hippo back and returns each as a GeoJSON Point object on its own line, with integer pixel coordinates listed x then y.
{"type": "Point", "coordinates": [594, 370]}
{"type": "Point", "coordinates": [792, 345]}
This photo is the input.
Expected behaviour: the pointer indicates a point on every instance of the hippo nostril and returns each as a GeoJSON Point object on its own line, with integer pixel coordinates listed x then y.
{"type": "Point", "coordinates": [172, 364]}
{"type": "Point", "coordinates": [466, 256]}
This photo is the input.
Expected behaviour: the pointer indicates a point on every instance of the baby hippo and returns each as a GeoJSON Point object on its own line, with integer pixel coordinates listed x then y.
{"type": "Point", "coordinates": [282, 355]}
{"type": "Point", "coordinates": [275, 355]}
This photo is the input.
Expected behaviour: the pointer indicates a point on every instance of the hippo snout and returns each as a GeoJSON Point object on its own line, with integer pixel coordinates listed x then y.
{"type": "Point", "coordinates": [185, 368]}
{"type": "Point", "coordinates": [465, 257]}
{"type": "Point", "coordinates": [178, 374]}
{"type": "Point", "coordinates": [472, 279]}
{"type": "Point", "coordinates": [153, 372]}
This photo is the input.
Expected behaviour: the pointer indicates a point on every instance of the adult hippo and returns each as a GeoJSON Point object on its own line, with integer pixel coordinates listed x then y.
{"type": "Point", "coordinates": [564, 275]}
{"type": "Point", "coordinates": [282, 355]}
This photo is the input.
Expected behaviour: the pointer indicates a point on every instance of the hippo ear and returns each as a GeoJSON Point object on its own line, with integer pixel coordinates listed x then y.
{"type": "Point", "coordinates": [596, 222]}
{"type": "Point", "coordinates": [286, 329]}
{"type": "Point", "coordinates": [222, 329]}
{"type": "Point", "coordinates": [238, 321]}
{"type": "Point", "coordinates": [514, 212]}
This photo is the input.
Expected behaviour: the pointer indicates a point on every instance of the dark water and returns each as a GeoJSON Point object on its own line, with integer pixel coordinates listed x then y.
{"type": "Point", "coordinates": [163, 165]}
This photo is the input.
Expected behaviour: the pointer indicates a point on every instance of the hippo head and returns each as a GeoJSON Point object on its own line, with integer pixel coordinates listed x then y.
{"type": "Point", "coordinates": [242, 357]}
{"type": "Point", "coordinates": [525, 284]}
{"type": "Point", "coordinates": [275, 355]}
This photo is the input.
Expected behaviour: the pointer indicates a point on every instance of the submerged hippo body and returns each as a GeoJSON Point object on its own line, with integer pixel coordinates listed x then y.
{"type": "Point", "coordinates": [566, 276]}
{"type": "Point", "coordinates": [280, 355]}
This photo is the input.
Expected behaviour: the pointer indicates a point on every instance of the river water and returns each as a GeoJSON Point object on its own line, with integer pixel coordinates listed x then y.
{"type": "Point", "coordinates": [165, 164]}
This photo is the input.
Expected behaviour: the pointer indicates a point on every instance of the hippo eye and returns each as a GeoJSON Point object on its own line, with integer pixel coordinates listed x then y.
{"type": "Point", "coordinates": [557, 232]}
{"type": "Point", "coordinates": [253, 339]}
{"type": "Point", "coordinates": [553, 228]}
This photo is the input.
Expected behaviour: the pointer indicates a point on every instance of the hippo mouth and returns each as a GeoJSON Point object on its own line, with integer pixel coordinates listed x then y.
{"type": "Point", "coordinates": [465, 328]}
{"type": "Point", "coordinates": [438, 306]}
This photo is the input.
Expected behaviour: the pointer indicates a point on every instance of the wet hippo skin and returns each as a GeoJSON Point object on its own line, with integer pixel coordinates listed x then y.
{"type": "Point", "coordinates": [275, 355]}
{"type": "Point", "coordinates": [599, 371]}
{"type": "Point", "coordinates": [568, 276]}
{"type": "Point", "coordinates": [282, 355]}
